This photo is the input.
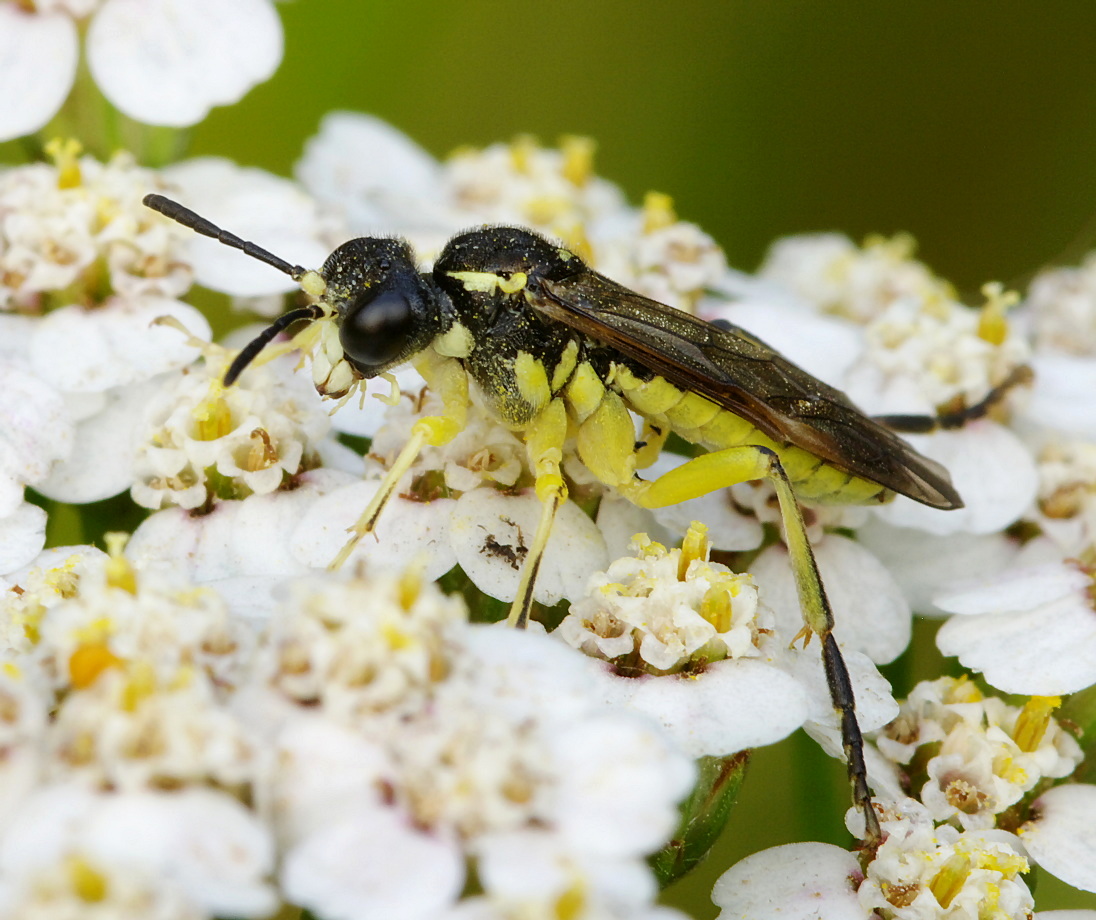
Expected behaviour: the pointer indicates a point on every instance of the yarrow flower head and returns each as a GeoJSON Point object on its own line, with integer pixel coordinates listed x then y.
{"type": "Point", "coordinates": [204, 441]}
{"type": "Point", "coordinates": [976, 756]}
{"type": "Point", "coordinates": [660, 611]}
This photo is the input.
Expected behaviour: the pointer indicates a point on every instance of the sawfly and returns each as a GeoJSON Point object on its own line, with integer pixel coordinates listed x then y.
{"type": "Point", "coordinates": [563, 356]}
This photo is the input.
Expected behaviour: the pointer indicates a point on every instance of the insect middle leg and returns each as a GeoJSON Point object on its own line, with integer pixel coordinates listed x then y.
{"type": "Point", "coordinates": [450, 380]}
{"type": "Point", "coordinates": [732, 465]}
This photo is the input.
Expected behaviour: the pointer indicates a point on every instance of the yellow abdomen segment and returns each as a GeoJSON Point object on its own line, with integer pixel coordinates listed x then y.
{"type": "Point", "coordinates": [699, 420]}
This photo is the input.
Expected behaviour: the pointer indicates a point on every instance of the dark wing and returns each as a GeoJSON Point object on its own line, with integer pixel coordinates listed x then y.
{"type": "Point", "coordinates": [741, 373]}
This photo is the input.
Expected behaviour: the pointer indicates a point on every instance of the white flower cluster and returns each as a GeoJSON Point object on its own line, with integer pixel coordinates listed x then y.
{"type": "Point", "coordinates": [521, 183]}
{"type": "Point", "coordinates": [204, 441]}
{"type": "Point", "coordinates": [355, 756]}
{"type": "Point", "coordinates": [663, 610]}
{"type": "Point", "coordinates": [925, 870]}
{"type": "Point", "coordinates": [978, 756]}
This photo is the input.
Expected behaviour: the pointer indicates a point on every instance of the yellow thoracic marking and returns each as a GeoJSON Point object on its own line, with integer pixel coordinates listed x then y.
{"type": "Point", "coordinates": [489, 282]}
{"type": "Point", "coordinates": [455, 342]}
{"type": "Point", "coordinates": [565, 366]}
{"type": "Point", "coordinates": [532, 380]}
{"type": "Point", "coordinates": [606, 441]}
{"type": "Point", "coordinates": [584, 391]}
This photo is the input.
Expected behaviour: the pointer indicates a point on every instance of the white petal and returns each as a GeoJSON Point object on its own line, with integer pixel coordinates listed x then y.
{"type": "Point", "coordinates": [991, 468]}
{"type": "Point", "coordinates": [256, 205]}
{"type": "Point", "coordinates": [729, 707]}
{"type": "Point", "coordinates": [22, 536]}
{"type": "Point", "coordinates": [924, 564]}
{"type": "Point", "coordinates": [36, 432]}
{"type": "Point", "coordinates": [1048, 651]}
{"type": "Point", "coordinates": [1061, 396]}
{"type": "Point", "coordinates": [38, 55]}
{"type": "Point", "coordinates": [407, 533]}
{"type": "Point", "coordinates": [524, 675]}
{"type": "Point", "coordinates": [491, 532]}
{"type": "Point", "coordinates": [1062, 839]}
{"type": "Point", "coordinates": [870, 612]}
{"type": "Point", "coordinates": [375, 174]}
{"type": "Point", "coordinates": [619, 521]}
{"type": "Point", "coordinates": [800, 881]}
{"type": "Point", "coordinates": [114, 345]}
{"type": "Point", "coordinates": [101, 464]}
{"type": "Point", "coordinates": [1016, 591]}
{"type": "Point", "coordinates": [205, 840]}
{"type": "Point", "coordinates": [875, 704]}
{"type": "Point", "coordinates": [618, 784]}
{"type": "Point", "coordinates": [168, 62]}
{"type": "Point", "coordinates": [373, 863]}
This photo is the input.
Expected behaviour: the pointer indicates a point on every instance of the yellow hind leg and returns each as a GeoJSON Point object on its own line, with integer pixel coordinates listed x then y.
{"type": "Point", "coordinates": [732, 465]}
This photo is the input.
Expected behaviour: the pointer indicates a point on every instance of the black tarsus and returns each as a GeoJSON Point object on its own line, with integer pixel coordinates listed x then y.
{"type": "Point", "coordinates": [257, 344]}
{"type": "Point", "coordinates": [947, 421]}
{"type": "Point", "coordinates": [199, 224]}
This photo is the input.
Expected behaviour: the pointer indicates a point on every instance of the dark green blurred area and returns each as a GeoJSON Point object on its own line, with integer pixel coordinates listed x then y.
{"type": "Point", "coordinates": [968, 124]}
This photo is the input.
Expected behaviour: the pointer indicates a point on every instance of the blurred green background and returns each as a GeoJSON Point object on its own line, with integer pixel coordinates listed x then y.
{"type": "Point", "coordinates": [968, 124]}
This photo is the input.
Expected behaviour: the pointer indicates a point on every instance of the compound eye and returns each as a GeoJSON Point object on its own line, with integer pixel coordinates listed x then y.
{"type": "Point", "coordinates": [376, 332]}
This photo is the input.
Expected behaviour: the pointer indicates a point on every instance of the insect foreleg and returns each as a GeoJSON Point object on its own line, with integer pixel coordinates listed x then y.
{"type": "Point", "coordinates": [544, 441]}
{"type": "Point", "coordinates": [732, 465]}
{"type": "Point", "coordinates": [449, 379]}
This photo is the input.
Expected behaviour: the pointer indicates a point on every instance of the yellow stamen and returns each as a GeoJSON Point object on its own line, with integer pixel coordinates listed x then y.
{"type": "Point", "coordinates": [694, 546]}
{"type": "Point", "coordinates": [65, 153]}
{"type": "Point", "coordinates": [716, 607]}
{"type": "Point", "coordinates": [89, 884]}
{"type": "Point", "coordinates": [88, 662]}
{"type": "Point", "coordinates": [578, 158]}
{"type": "Point", "coordinates": [658, 212]}
{"type": "Point", "coordinates": [992, 324]}
{"type": "Point", "coordinates": [949, 881]}
{"type": "Point", "coordinates": [119, 572]}
{"type": "Point", "coordinates": [1033, 721]}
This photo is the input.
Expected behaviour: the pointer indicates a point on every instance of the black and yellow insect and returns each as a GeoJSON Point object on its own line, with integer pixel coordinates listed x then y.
{"type": "Point", "coordinates": [562, 355]}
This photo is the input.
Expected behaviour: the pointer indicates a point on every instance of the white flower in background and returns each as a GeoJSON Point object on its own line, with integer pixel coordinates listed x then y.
{"type": "Point", "coordinates": [846, 280]}
{"type": "Point", "coordinates": [1029, 630]}
{"type": "Point", "coordinates": [379, 179]}
{"type": "Point", "coordinates": [409, 739]}
{"type": "Point", "coordinates": [203, 441]}
{"type": "Point", "coordinates": [162, 62]}
{"type": "Point", "coordinates": [193, 853]}
{"type": "Point", "coordinates": [1059, 313]}
{"type": "Point", "coordinates": [383, 183]}
{"type": "Point", "coordinates": [70, 235]}
{"type": "Point", "coordinates": [983, 755]}
{"type": "Point", "coordinates": [255, 205]}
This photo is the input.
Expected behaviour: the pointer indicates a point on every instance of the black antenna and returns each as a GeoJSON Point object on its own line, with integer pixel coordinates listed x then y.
{"type": "Point", "coordinates": [199, 224]}
{"type": "Point", "coordinates": [257, 344]}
